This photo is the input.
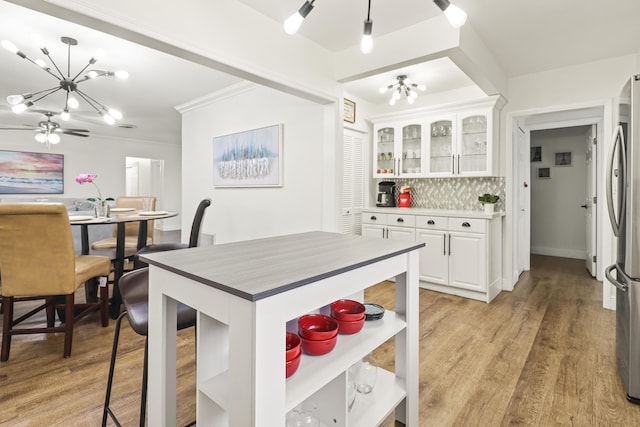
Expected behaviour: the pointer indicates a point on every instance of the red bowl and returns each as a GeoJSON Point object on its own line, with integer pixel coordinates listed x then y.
{"type": "Point", "coordinates": [318, 347]}
{"type": "Point", "coordinates": [293, 346]}
{"type": "Point", "coordinates": [348, 328]}
{"type": "Point", "coordinates": [292, 365]}
{"type": "Point", "coordinates": [346, 309]}
{"type": "Point", "coordinates": [317, 327]}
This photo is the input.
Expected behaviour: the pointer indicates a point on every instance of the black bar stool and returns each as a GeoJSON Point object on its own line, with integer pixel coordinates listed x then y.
{"type": "Point", "coordinates": [134, 288]}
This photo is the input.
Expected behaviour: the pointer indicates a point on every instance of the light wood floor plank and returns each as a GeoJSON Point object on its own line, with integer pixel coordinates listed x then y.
{"type": "Point", "coordinates": [541, 355]}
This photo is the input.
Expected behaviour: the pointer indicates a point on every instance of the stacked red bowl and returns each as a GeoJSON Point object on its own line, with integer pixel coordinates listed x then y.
{"type": "Point", "coordinates": [319, 333]}
{"type": "Point", "coordinates": [294, 353]}
{"type": "Point", "coordinates": [349, 314]}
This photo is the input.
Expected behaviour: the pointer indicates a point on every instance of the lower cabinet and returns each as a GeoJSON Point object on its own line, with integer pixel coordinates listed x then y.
{"type": "Point", "coordinates": [461, 256]}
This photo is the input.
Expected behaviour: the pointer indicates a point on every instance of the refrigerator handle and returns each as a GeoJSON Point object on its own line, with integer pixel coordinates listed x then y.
{"type": "Point", "coordinates": [617, 138]}
{"type": "Point", "coordinates": [614, 282]}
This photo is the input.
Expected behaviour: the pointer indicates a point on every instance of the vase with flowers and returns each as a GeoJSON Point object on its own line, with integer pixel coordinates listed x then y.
{"type": "Point", "coordinates": [100, 205]}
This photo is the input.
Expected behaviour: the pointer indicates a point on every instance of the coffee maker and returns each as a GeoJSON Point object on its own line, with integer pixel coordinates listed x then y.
{"type": "Point", "coordinates": [386, 197]}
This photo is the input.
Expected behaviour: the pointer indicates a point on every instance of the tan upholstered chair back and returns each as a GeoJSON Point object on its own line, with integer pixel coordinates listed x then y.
{"type": "Point", "coordinates": [137, 202]}
{"type": "Point", "coordinates": [36, 249]}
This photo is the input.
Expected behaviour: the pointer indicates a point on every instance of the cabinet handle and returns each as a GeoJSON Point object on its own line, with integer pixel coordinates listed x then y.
{"type": "Point", "coordinates": [431, 222]}
{"type": "Point", "coordinates": [373, 218]}
{"type": "Point", "coordinates": [466, 224]}
{"type": "Point", "coordinates": [449, 244]}
{"type": "Point", "coordinates": [458, 163]}
{"type": "Point", "coordinates": [453, 164]}
{"type": "Point", "coordinates": [444, 244]}
{"type": "Point", "coordinates": [400, 220]}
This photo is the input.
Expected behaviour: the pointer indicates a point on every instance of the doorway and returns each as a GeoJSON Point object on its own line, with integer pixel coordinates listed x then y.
{"type": "Point", "coordinates": [526, 172]}
{"type": "Point", "coordinates": [145, 177]}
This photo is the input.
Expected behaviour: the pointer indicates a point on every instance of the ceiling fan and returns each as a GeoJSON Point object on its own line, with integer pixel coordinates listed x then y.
{"type": "Point", "coordinates": [48, 131]}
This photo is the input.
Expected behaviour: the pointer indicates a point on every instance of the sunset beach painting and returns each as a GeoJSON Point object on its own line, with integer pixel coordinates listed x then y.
{"type": "Point", "coordinates": [31, 173]}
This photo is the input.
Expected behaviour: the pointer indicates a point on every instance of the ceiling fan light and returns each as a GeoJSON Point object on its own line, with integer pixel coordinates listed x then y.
{"type": "Point", "coordinates": [9, 46]}
{"type": "Point", "coordinates": [15, 99]}
{"type": "Point", "coordinates": [115, 114]}
{"type": "Point", "coordinates": [456, 16]}
{"type": "Point", "coordinates": [41, 137]}
{"type": "Point", "coordinates": [122, 74]}
{"type": "Point", "coordinates": [72, 102]}
{"type": "Point", "coordinates": [65, 115]}
{"type": "Point", "coordinates": [53, 138]}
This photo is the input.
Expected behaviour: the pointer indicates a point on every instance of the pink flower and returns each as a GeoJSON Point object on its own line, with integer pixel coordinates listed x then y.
{"type": "Point", "coordinates": [81, 178]}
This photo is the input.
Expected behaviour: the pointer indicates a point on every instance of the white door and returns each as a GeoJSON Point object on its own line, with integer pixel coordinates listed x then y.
{"type": "Point", "coordinates": [352, 180]}
{"type": "Point", "coordinates": [524, 201]}
{"type": "Point", "coordinates": [467, 261]}
{"type": "Point", "coordinates": [434, 261]}
{"type": "Point", "coordinates": [589, 205]}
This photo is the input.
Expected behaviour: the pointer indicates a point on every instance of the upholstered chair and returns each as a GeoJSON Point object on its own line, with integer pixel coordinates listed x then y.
{"type": "Point", "coordinates": [131, 229]}
{"type": "Point", "coordinates": [37, 260]}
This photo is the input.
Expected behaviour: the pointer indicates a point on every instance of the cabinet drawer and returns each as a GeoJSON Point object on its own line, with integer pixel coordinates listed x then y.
{"type": "Point", "coordinates": [471, 225]}
{"type": "Point", "coordinates": [401, 220]}
{"type": "Point", "coordinates": [374, 218]}
{"type": "Point", "coordinates": [432, 222]}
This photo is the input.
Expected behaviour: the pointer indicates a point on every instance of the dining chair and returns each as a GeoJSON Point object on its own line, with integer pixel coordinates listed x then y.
{"type": "Point", "coordinates": [193, 237]}
{"type": "Point", "coordinates": [38, 263]}
{"type": "Point", "coordinates": [131, 229]}
{"type": "Point", "coordinates": [134, 288]}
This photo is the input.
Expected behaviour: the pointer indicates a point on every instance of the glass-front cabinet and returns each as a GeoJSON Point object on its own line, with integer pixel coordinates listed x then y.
{"type": "Point", "coordinates": [458, 141]}
{"type": "Point", "coordinates": [474, 149]}
{"type": "Point", "coordinates": [441, 145]}
{"type": "Point", "coordinates": [398, 150]}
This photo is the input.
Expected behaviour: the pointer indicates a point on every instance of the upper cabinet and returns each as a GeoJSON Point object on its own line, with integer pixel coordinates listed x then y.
{"type": "Point", "coordinates": [398, 149]}
{"type": "Point", "coordinates": [459, 140]}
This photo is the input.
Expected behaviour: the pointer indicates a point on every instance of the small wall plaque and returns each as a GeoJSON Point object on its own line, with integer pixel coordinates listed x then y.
{"type": "Point", "coordinates": [349, 111]}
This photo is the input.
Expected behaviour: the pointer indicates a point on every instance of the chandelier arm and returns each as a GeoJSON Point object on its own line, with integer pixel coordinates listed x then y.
{"type": "Point", "coordinates": [89, 100]}
{"type": "Point", "coordinates": [82, 71]}
{"type": "Point", "coordinates": [51, 91]}
{"type": "Point", "coordinates": [48, 70]}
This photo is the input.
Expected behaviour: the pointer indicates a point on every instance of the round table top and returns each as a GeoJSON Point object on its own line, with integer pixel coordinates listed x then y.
{"type": "Point", "coordinates": [115, 217]}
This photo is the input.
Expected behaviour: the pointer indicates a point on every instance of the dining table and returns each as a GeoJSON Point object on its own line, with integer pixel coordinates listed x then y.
{"type": "Point", "coordinates": [120, 217]}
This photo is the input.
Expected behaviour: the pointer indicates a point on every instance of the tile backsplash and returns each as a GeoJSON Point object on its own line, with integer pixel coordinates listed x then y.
{"type": "Point", "coordinates": [451, 193]}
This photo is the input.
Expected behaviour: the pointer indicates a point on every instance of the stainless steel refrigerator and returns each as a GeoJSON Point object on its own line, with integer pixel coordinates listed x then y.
{"type": "Point", "coordinates": [623, 202]}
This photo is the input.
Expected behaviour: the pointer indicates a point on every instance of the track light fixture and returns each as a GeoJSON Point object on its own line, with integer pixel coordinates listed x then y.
{"type": "Point", "coordinates": [403, 87]}
{"type": "Point", "coordinates": [366, 44]}
{"type": "Point", "coordinates": [456, 16]}
{"type": "Point", "coordinates": [66, 83]}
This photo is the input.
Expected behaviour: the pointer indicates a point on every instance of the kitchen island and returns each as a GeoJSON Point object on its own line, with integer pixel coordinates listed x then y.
{"type": "Point", "coordinates": [245, 293]}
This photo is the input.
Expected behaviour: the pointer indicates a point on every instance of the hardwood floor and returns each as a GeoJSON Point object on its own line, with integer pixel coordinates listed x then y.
{"type": "Point", "coordinates": [541, 355]}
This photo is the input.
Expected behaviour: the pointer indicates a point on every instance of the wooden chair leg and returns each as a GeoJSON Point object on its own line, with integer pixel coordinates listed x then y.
{"type": "Point", "coordinates": [104, 305]}
{"type": "Point", "coordinates": [7, 320]}
{"type": "Point", "coordinates": [51, 311]}
{"type": "Point", "coordinates": [68, 325]}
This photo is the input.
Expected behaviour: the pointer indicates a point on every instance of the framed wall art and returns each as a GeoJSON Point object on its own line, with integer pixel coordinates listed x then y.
{"type": "Point", "coordinates": [251, 158]}
{"type": "Point", "coordinates": [349, 111]}
{"type": "Point", "coordinates": [563, 158]}
{"type": "Point", "coordinates": [544, 172]}
{"type": "Point", "coordinates": [536, 154]}
{"type": "Point", "coordinates": [31, 173]}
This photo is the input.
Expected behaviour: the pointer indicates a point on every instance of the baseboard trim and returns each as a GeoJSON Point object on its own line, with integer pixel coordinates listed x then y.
{"type": "Point", "coordinates": [559, 252]}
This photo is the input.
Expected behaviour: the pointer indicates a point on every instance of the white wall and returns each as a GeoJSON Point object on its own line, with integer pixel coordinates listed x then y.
{"type": "Point", "coordinates": [106, 158]}
{"type": "Point", "coordinates": [247, 213]}
{"type": "Point", "coordinates": [558, 223]}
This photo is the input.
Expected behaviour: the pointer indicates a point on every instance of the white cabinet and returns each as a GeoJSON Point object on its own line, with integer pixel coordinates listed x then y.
{"type": "Point", "coordinates": [462, 256]}
{"type": "Point", "coordinates": [451, 141]}
{"type": "Point", "coordinates": [398, 149]}
{"type": "Point", "coordinates": [388, 226]}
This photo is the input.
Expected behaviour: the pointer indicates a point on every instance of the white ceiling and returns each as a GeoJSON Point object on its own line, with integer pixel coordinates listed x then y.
{"type": "Point", "coordinates": [525, 37]}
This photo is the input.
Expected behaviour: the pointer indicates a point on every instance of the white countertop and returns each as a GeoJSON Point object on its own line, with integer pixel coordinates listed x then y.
{"type": "Point", "coordinates": [435, 212]}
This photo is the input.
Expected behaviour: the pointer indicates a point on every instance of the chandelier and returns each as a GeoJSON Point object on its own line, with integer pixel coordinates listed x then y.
{"type": "Point", "coordinates": [66, 83]}
{"type": "Point", "coordinates": [456, 16]}
{"type": "Point", "coordinates": [403, 87]}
